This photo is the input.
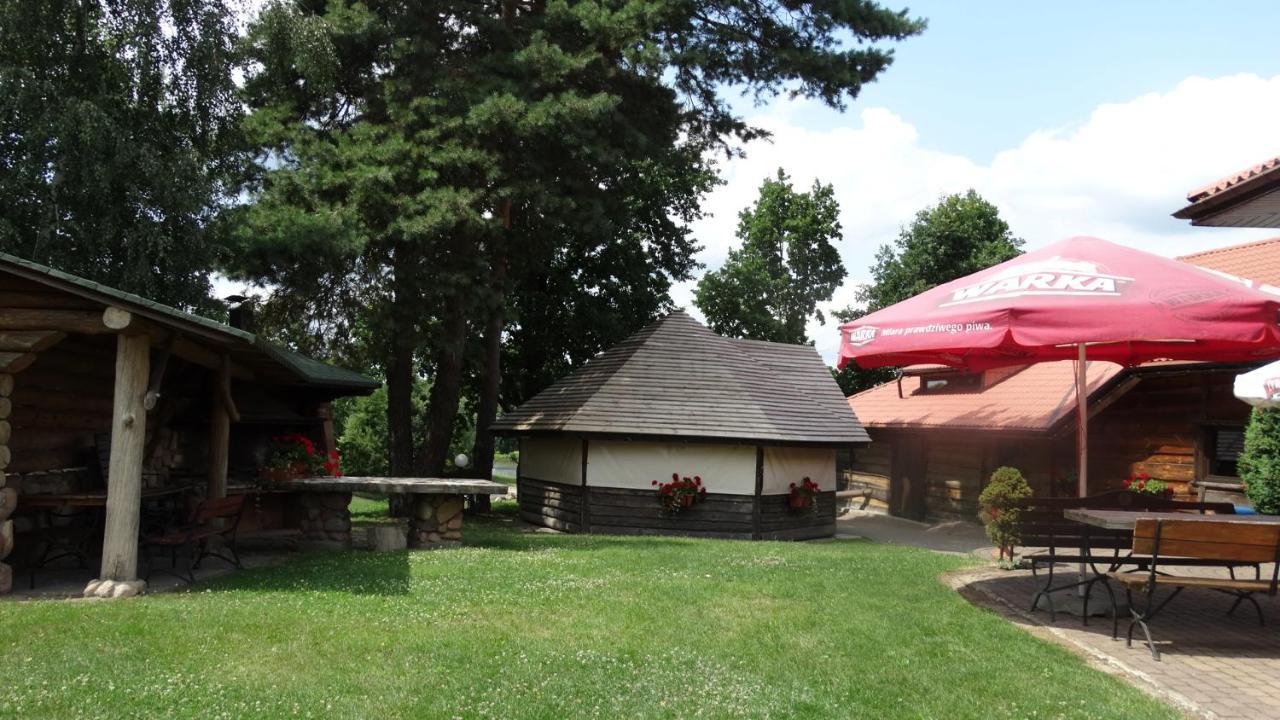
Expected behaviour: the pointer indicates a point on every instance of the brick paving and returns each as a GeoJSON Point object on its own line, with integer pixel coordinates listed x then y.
{"type": "Point", "coordinates": [1211, 664]}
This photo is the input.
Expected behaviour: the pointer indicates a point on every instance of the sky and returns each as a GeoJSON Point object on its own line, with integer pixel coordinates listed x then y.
{"type": "Point", "coordinates": [1083, 118]}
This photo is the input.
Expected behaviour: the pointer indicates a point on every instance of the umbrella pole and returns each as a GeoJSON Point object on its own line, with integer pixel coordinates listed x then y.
{"type": "Point", "coordinates": [1082, 434]}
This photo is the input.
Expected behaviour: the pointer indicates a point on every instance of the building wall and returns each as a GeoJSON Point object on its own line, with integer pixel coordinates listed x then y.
{"type": "Point", "coordinates": [619, 497]}
{"type": "Point", "coordinates": [724, 469]}
{"type": "Point", "coordinates": [1163, 426]}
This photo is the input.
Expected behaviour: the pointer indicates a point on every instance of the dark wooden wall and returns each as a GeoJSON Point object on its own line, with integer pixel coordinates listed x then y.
{"type": "Point", "coordinates": [1158, 426]}
{"type": "Point", "coordinates": [617, 511]}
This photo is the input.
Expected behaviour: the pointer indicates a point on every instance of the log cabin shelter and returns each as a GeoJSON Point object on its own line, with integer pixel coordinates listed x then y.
{"type": "Point", "coordinates": [937, 433]}
{"type": "Point", "coordinates": [748, 417]}
{"type": "Point", "coordinates": [108, 391]}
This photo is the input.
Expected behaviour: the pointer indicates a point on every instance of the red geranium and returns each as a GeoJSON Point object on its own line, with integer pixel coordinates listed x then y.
{"type": "Point", "coordinates": [681, 492]}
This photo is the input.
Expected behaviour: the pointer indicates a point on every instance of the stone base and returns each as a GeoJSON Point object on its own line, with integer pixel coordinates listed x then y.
{"type": "Point", "coordinates": [324, 519]}
{"type": "Point", "coordinates": [384, 538]}
{"type": "Point", "coordinates": [436, 521]}
{"type": "Point", "coordinates": [114, 588]}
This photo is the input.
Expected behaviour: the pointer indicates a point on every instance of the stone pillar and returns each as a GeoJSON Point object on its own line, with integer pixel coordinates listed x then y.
{"type": "Point", "coordinates": [325, 521]}
{"type": "Point", "coordinates": [119, 573]}
{"type": "Point", "coordinates": [436, 521]}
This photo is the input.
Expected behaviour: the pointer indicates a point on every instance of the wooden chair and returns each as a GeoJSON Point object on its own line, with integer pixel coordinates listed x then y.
{"type": "Point", "coordinates": [1205, 540]}
{"type": "Point", "coordinates": [216, 518]}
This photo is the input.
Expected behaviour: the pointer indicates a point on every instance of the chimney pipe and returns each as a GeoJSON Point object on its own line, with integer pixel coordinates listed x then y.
{"type": "Point", "coordinates": [240, 312]}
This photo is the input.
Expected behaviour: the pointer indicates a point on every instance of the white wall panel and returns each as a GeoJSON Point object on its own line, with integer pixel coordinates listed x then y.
{"type": "Point", "coordinates": [556, 460]}
{"type": "Point", "coordinates": [635, 465]}
{"type": "Point", "coordinates": [786, 465]}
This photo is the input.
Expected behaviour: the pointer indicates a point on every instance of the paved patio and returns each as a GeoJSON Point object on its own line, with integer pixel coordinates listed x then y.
{"type": "Point", "coordinates": [1212, 665]}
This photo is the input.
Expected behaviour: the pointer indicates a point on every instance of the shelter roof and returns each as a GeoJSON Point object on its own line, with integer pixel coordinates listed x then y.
{"type": "Point", "coordinates": [677, 378]}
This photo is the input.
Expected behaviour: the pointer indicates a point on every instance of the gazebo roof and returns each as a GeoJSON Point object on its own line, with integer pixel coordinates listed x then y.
{"type": "Point", "coordinates": [262, 357]}
{"type": "Point", "coordinates": [677, 378]}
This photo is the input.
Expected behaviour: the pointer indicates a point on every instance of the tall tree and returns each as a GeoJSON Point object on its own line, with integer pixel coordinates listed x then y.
{"type": "Point", "coordinates": [770, 287]}
{"type": "Point", "coordinates": [434, 146]}
{"type": "Point", "coordinates": [115, 135]}
{"type": "Point", "coordinates": [959, 236]}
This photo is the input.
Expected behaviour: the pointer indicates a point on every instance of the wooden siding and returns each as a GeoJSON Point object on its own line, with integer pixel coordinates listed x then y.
{"type": "Point", "coordinates": [868, 469]}
{"type": "Point", "coordinates": [616, 511]}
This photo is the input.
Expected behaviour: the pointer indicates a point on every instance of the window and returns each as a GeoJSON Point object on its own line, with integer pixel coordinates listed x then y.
{"type": "Point", "coordinates": [953, 382]}
{"type": "Point", "coordinates": [1222, 449]}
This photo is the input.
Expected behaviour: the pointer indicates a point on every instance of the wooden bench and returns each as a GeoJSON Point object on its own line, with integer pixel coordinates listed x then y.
{"type": "Point", "coordinates": [1041, 524]}
{"type": "Point", "coordinates": [1165, 541]}
{"type": "Point", "coordinates": [215, 518]}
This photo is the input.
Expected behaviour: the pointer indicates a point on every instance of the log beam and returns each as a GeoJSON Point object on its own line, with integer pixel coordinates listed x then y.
{"type": "Point", "coordinates": [119, 571]}
{"type": "Point", "coordinates": [197, 354]}
{"type": "Point", "coordinates": [115, 318]}
{"type": "Point", "coordinates": [86, 322]}
{"type": "Point", "coordinates": [29, 341]}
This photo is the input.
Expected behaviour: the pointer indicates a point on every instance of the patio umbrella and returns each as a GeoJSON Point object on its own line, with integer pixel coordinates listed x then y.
{"type": "Point", "coordinates": [1261, 387]}
{"type": "Point", "coordinates": [1080, 298]}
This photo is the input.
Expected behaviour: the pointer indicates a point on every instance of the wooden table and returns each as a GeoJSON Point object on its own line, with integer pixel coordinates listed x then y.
{"type": "Point", "coordinates": [1128, 519]}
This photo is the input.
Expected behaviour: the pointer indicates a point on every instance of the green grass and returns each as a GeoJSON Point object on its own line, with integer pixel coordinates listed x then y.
{"type": "Point", "coordinates": [547, 626]}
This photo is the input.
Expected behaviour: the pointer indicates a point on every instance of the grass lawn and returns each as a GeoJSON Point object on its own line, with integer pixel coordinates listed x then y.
{"type": "Point", "coordinates": [548, 626]}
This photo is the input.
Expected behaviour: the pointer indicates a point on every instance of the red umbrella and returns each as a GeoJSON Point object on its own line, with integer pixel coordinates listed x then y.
{"type": "Point", "coordinates": [1081, 296]}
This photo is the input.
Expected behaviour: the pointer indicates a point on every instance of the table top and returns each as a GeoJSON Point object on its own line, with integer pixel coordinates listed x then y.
{"type": "Point", "coordinates": [1127, 519]}
{"type": "Point", "coordinates": [397, 485]}
{"type": "Point", "coordinates": [90, 498]}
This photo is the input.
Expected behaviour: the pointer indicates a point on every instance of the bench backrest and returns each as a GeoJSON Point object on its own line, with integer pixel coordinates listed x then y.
{"type": "Point", "coordinates": [217, 508]}
{"type": "Point", "coordinates": [1041, 522]}
{"type": "Point", "coordinates": [1207, 540]}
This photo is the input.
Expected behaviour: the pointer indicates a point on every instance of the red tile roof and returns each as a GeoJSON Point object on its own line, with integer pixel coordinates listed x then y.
{"type": "Point", "coordinates": [1258, 261]}
{"type": "Point", "coordinates": [1230, 181]}
{"type": "Point", "coordinates": [1032, 399]}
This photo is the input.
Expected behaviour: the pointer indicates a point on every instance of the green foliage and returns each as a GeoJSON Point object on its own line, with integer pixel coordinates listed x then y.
{"type": "Point", "coordinates": [960, 235]}
{"type": "Point", "coordinates": [116, 139]}
{"type": "Point", "coordinates": [1259, 463]}
{"type": "Point", "coordinates": [999, 507]}
{"type": "Point", "coordinates": [361, 425]}
{"type": "Point", "coordinates": [770, 287]}
{"type": "Point", "coordinates": [660, 628]}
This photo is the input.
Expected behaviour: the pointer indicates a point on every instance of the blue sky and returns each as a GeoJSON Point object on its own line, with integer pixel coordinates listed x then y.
{"type": "Point", "coordinates": [1082, 118]}
{"type": "Point", "coordinates": [987, 73]}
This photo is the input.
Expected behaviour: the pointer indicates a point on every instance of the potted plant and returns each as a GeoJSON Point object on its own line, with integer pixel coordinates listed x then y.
{"type": "Point", "coordinates": [801, 496]}
{"type": "Point", "coordinates": [293, 456]}
{"type": "Point", "coordinates": [1000, 502]}
{"type": "Point", "coordinates": [680, 493]}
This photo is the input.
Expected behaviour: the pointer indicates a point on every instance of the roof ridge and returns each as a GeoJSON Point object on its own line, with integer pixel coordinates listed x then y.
{"type": "Point", "coordinates": [1223, 183]}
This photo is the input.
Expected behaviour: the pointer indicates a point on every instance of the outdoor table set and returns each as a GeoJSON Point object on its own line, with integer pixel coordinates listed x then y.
{"type": "Point", "coordinates": [1184, 540]}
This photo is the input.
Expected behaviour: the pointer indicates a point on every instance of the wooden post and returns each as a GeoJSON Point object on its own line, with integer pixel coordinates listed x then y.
{"type": "Point", "coordinates": [219, 430]}
{"type": "Point", "coordinates": [758, 496]}
{"type": "Point", "coordinates": [585, 515]}
{"type": "Point", "coordinates": [124, 475]}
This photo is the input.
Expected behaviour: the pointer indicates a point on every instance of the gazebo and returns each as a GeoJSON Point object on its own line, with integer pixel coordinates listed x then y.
{"type": "Point", "coordinates": [749, 418]}
{"type": "Point", "coordinates": [104, 389]}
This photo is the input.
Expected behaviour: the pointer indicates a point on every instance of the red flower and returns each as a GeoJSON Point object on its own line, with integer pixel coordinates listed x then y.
{"type": "Point", "coordinates": [1142, 485]}
{"type": "Point", "coordinates": [675, 477]}
{"type": "Point", "coordinates": [655, 482]}
{"type": "Point", "coordinates": [1128, 482]}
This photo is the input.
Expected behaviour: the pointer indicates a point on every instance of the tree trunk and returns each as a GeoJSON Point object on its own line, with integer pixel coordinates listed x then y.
{"type": "Point", "coordinates": [490, 385]}
{"type": "Point", "coordinates": [400, 372]}
{"type": "Point", "coordinates": [446, 388]}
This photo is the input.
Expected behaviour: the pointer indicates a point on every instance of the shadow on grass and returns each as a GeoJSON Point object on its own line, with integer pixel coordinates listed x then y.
{"type": "Point", "coordinates": [354, 572]}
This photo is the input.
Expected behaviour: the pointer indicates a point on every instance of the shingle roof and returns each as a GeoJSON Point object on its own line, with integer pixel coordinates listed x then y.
{"type": "Point", "coordinates": [677, 378]}
{"type": "Point", "coordinates": [1034, 399]}
{"type": "Point", "coordinates": [1249, 198]}
{"type": "Point", "coordinates": [308, 370]}
{"type": "Point", "coordinates": [1258, 261]}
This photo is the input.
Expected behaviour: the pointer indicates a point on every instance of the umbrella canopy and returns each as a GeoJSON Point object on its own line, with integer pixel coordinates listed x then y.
{"type": "Point", "coordinates": [1261, 387]}
{"type": "Point", "coordinates": [1126, 305]}
{"type": "Point", "coordinates": [1079, 298]}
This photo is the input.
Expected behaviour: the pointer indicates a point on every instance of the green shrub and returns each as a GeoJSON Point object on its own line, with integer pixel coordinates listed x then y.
{"type": "Point", "coordinates": [999, 508]}
{"type": "Point", "coordinates": [1259, 464]}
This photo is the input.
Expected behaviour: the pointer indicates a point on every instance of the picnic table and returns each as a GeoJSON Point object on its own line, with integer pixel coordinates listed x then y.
{"type": "Point", "coordinates": [1128, 519]}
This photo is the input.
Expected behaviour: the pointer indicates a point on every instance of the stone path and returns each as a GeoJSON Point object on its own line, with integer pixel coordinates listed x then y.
{"type": "Point", "coordinates": [1212, 665]}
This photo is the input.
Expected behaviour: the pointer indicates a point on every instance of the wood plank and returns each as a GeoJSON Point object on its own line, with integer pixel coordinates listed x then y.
{"type": "Point", "coordinates": [28, 341]}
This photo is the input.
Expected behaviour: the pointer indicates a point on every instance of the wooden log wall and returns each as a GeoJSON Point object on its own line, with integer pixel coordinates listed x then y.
{"type": "Point", "coordinates": [1158, 428]}
{"type": "Point", "coordinates": [868, 469]}
{"type": "Point", "coordinates": [955, 472]}
{"type": "Point", "coordinates": [618, 511]}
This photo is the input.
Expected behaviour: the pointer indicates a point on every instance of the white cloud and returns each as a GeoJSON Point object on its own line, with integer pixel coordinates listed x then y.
{"type": "Point", "coordinates": [1117, 176]}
